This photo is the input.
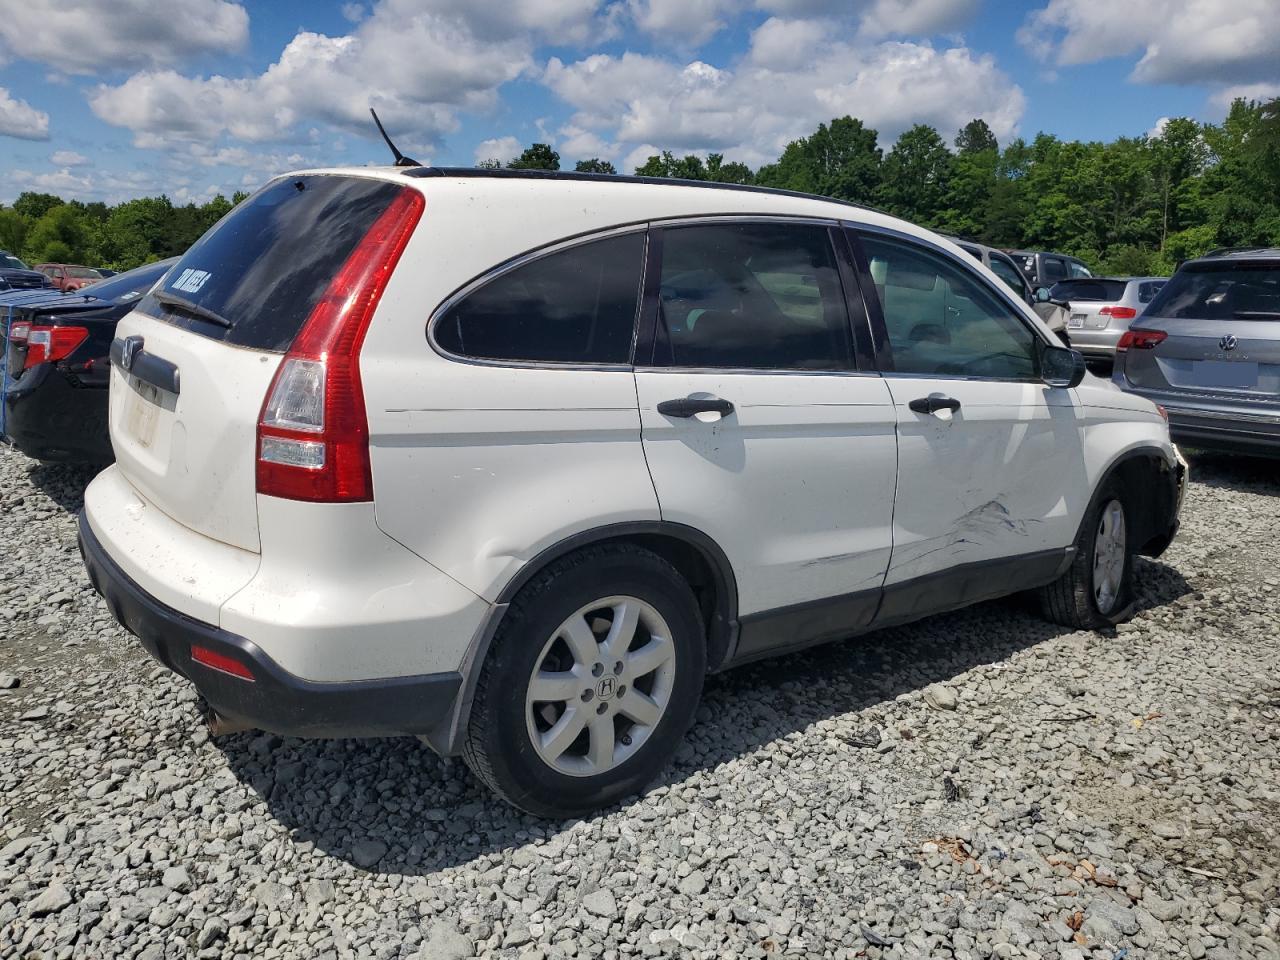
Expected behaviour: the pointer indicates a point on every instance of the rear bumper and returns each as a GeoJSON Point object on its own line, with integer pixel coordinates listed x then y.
{"type": "Point", "coordinates": [48, 417]}
{"type": "Point", "coordinates": [1230, 432]}
{"type": "Point", "coordinates": [275, 700]}
{"type": "Point", "coordinates": [1095, 342]}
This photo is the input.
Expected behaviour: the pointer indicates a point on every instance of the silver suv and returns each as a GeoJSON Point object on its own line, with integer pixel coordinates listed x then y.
{"type": "Point", "coordinates": [1208, 350]}
{"type": "Point", "coordinates": [1100, 309]}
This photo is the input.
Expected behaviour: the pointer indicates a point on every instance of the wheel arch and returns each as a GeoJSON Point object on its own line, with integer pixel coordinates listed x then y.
{"type": "Point", "coordinates": [698, 558]}
{"type": "Point", "coordinates": [1147, 469]}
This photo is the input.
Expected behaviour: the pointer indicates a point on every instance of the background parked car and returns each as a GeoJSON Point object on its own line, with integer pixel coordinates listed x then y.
{"type": "Point", "coordinates": [1101, 309]}
{"type": "Point", "coordinates": [1207, 349]}
{"type": "Point", "coordinates": [69, 276]}
{"type": "Point", "coordinates": [16, 275]}
{"type": "Point", "coordinates": [56, 367]}
{"type": "Point", "coordinates": [1044, 269]}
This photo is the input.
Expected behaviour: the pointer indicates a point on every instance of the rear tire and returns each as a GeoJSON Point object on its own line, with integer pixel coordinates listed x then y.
{"type": "Point", "coordinates": [581, 699]}
{"type": "Point", "coordinates": [1097, 589]}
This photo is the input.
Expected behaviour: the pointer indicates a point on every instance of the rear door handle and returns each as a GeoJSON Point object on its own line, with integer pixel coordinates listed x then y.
{"type": "Point", "coordinates": [933, 403]}
{"type": "Point", "coordinates": [127, 354]}
{"type": "Point", "coordinates": [686, 407]}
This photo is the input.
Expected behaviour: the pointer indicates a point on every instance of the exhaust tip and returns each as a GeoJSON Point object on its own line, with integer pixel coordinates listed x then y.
{"type": "Point", "coordinates": [220, 726]}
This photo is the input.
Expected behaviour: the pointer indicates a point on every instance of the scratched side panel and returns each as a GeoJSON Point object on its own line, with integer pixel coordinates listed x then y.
{"type": "Point", "coordinates": [1004, 476]}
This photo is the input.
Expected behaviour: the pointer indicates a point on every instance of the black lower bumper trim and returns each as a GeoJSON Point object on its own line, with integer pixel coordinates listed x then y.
{"type": "Point", "coordinates": [275, 700]}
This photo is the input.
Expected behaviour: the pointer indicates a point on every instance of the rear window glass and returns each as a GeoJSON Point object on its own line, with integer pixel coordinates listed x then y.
{"type": "Point", "coordinates": [262, 268]}
{"type": "Point", "coordinates": [1220, 291]}
{"type": "Point", "coordinates": [1101, 291]}
{"type": "Point", "coordinates": [576, 305]}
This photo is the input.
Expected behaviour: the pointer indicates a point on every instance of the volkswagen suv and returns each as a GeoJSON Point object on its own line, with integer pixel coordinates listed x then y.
{"type": "Point", "coordinates": [510, 461]}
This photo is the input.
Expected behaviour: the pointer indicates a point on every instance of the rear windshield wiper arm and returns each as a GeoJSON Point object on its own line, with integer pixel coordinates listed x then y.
{"type": "Point", "coordinates": [187, 306]}
{"type": "Point", "coordinates": [1257, 314]}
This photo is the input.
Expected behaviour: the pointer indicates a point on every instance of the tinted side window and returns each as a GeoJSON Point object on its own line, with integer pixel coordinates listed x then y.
{"type": "Point", "coordinates": [1147, 291]}
{"type": "Point", "coordinates": [1078, 269]}
{"type": "Point", "coordinates": [942, 319]}
{"type": "Point", "coordinates": [1007, 272]}
{"type": "Point", "coordinates": [576, 305]}
{"type": "Point", "coordinates": [1054, 270]}
{"type": "Point", "coordinates": [753, 295]}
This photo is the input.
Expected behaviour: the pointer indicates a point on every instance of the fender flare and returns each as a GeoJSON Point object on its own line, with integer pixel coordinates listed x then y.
{"type": "Point", "coordinates": [722, 626]}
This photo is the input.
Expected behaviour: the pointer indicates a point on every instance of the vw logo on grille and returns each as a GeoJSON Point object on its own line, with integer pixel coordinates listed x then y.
{"type": "Point", "coordinates": [1228, 342]}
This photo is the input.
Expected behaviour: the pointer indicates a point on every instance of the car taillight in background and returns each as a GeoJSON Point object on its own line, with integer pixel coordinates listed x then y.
{"type": "Point", "coordinates": [46, 344]}
{"type": "Point", "coordinates": [313, 433]}
{"type": "Point", "coordinates": [1118, 313]}
{"type": "Point", "coordinates": [1140, 339]}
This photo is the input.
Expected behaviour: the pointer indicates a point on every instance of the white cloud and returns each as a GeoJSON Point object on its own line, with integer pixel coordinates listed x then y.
{"type": "Point", "coordinates": [92, 35]}
{"type": "Point", "coordinates": [498, 148]}
{"type": "Point", "coordinates": [1182, 41]}
{"type": "Point", "coordinates": [417, 62]}
{"type": "Point", "coordinates": [688, 23]}
{"type": "Point", "coordinates": [751, 111]}
{"type": "Point", "coordinates": [354, 12]}
{"type": "Point", "coordinates": [69, 158]}
{"type": "Point", "coordinates": [19, 119]}
{"type": "Point", "coordinates": [1249, 91]}
{"type": "Point", "coordinates": [919, 17]}
{"type": "Point", "coordinates": [779, 44]}
{"type": "Point", "coordinates": [1158, 129]}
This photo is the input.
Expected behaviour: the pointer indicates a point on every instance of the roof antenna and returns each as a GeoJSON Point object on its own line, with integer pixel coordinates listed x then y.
{"type": "Point", "coordinates": [401, 159]}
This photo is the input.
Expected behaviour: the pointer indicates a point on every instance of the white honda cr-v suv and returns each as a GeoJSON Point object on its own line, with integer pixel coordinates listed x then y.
{"type": "Point", "coordinates": [510, 461]}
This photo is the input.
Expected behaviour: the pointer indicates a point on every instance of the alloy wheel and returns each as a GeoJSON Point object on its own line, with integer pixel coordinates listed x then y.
{"type": "Point", "coordinates": [1109, 556]}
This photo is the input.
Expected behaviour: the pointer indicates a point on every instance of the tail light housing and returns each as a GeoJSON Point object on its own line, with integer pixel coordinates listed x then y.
{"type": "Point", "coordinates": [313, 432]}
{"type": "Point", "coordinates": [1118, 313]}
{"type": "Point", "coordinates": [1140, 339]}
{"type": "Point", "coordinates": [46, 344]}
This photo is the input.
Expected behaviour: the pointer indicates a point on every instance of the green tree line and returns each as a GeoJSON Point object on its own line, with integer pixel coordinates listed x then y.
{"type": "Point", "coordinates": [1136, 205]}
{"type": "Point", "coordinates": [43, 228]}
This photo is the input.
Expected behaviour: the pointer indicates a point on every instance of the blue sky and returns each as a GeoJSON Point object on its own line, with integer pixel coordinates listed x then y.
{"type": "Point", "coordinates": [107, 99]}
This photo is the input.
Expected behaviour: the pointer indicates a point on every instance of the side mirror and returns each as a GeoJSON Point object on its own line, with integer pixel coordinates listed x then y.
{"type": "Point", "coordinates": [1061, 366]}
{"type": "Point", "coordinates": [1041, 295]}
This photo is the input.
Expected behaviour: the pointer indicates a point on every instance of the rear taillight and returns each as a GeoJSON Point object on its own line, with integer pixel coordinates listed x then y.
{"type": "Point", "coordinates": [46, 344]}
{"type": "Point", "coordinates": [1140, 339]}
{"type": "Point", "coordinates": [313, 433]}
{"type": "Point", "coordinates": [1119, 313]}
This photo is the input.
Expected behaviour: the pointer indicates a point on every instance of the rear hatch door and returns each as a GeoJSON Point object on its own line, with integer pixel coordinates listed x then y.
{"type": "Point", "coordinates": [1222, 321]}
{"type": "Point", "coordinates": [191, 365]}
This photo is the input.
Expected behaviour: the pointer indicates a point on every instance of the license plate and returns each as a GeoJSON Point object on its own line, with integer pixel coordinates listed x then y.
{"type": "Point", "coordinates": [1076, 320]}
{"type": "Point", "coordinates": [143, 411]}
{"type": "Point", "coordinates": [1225, 373]}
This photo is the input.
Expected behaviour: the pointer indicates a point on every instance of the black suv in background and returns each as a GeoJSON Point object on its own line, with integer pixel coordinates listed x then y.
{"type": "Point", "coordinates": [16, 275]}
{"type": "Point", "coordinates": [1045, 269]}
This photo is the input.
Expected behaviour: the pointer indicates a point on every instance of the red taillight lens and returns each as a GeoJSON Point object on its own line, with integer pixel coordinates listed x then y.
{"type": "Point", "coordinates": [1119, 313]}
{"type": "Point", "coordinates": [1140, 339]}
{"type": "Point", "coordinates": [221, 662]}
{"type": "Point", "coordinates": [313, 433]}
{"type": "Point", "coordinates": [46, 344]}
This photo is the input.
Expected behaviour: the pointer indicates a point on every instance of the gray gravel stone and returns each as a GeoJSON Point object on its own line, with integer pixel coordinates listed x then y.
{"type": "Point", "coordinates": [52, 899]}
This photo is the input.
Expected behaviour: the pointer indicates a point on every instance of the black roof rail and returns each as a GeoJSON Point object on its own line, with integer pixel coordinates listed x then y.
{"type": "Point", "coordinates": [1227, 251]}
{"type": "Point", "coordinates": [504, 174]}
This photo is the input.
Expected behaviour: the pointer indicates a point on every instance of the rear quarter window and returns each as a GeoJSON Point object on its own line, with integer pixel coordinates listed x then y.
{"type": "Point", "coordinates": [576, 305]}
{"type": "Point", "coordinates": [265, 265]}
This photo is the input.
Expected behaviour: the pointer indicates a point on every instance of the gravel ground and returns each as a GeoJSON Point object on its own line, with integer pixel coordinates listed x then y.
{"type": "Point", "coordinates": [978, 785]}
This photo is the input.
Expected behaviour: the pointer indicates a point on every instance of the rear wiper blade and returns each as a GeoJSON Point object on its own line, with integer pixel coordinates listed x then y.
{"type": "Point", "coordinates": [1257, 314]}
{"type": "Point", "coordinates": [187, 306]}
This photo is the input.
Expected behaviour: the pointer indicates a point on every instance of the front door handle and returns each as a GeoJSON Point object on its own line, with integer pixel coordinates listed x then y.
{"type": "Point", "coordinates": [933, 403]}
{"type": "Point", "coordinates": [686, 407]}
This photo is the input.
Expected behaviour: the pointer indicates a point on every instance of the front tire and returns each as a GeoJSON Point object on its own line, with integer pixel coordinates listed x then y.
{"type": "Point", "coordinates": [1097, 589]}
{"type": "Point", "coordinates": [590, 683]}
